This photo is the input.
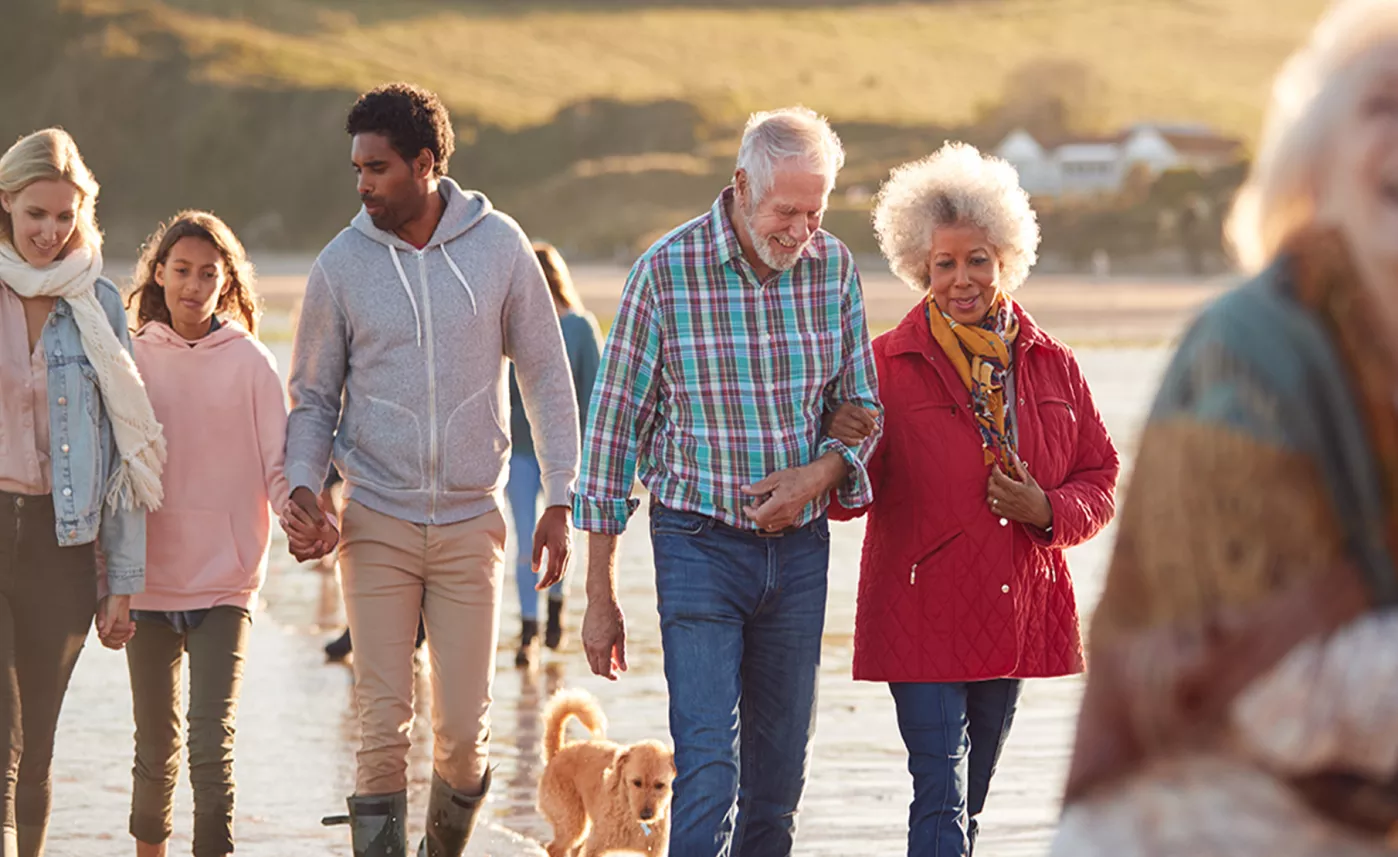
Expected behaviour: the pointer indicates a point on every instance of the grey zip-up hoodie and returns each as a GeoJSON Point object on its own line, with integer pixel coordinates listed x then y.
{"type": "Point", "coordinates": [400, 362]}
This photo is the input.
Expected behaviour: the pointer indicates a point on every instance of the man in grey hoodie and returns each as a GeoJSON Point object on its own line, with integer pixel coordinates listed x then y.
{"type": "Point", "coordinates": [398, 370]}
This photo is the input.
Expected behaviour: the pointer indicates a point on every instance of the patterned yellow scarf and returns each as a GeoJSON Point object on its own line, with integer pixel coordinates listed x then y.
{"type": "Point", "coordinates": [982, 355]}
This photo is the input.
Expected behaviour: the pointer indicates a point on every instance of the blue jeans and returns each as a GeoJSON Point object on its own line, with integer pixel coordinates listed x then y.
{"type": "Point", "coordinates": [954, 732]}
{"type": "Point", "coordinates": [741, 618]}
{"type": "Point", "coordinates": [522, 491]}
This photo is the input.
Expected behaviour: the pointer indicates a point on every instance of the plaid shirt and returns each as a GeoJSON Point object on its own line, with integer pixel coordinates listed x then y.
{"type": "Point", "coordinates": [712, 380]}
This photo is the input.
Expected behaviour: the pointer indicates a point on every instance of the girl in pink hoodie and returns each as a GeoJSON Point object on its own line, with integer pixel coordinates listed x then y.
{"type": "Point", "coordinates": [215, 389]}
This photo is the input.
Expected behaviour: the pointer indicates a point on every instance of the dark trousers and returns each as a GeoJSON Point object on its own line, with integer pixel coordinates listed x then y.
{"type": "Point", "coordinates": [954, 732]}
{"type": "Point", "coordinates": [48, 596]}
{"type": "Point", "coordinates": [155, 657]}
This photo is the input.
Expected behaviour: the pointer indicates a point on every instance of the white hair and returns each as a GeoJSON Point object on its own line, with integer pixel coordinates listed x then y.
{"type": "Point", "coordinates": [1310, 97]}
{"type": "Point", "coordinates": [798, 134]}
{"type": "Point", "coordinates": [955, 185]}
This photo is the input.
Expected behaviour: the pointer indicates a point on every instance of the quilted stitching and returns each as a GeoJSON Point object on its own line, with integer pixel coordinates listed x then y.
{"type": "Point", "coordinates": [955, 622]}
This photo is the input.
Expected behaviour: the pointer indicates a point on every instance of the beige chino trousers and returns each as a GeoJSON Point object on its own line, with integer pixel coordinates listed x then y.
{"type": "Point", "coordinates": [392, 571]}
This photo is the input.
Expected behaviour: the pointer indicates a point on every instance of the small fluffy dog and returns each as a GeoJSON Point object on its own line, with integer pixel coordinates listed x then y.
{"type": "Point", "coordinates": [616, 798]}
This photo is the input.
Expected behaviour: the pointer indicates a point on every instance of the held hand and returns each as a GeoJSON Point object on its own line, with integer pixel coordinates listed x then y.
{"type": "Point", "coordinates": [554, 533]}
{"type": "Point", "coordinates": [311, 532]}
{"type": "Point", "coordinates": [1019, 499]}
{"type": "Point", "coordinates": [782, 495]}
{"type": "Point", "coordinates": [114, 626]}
{"type": "Point", "coordinates": [604, 637]}
{"type": "Point", "coordinates": [850, 424]}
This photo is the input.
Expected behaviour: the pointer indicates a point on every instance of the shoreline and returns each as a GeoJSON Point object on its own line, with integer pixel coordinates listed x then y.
{"type": "Point", "coordinates": [1081, 310]}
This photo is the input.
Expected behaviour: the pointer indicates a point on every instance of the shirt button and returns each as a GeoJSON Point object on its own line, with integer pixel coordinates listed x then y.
{"type": "Point", "coordinates": [19, 502]}
{"type": "Point", "coordinates": [67, 492]}
{"type": "Point", "coordinates": [1005, 589]}
{"type": "Point", "coordinates": [63, 400]}
{"type": "Point", "coordinates": [1004, 522]}
{"type": "Point", "coordinates": [72, 534]}
{"type": "Point", "coordinates": [64, 447]}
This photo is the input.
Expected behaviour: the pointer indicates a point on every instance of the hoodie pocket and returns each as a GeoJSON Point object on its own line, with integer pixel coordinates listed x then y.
{"type": "Point", "coordinates": [191, 551]}
{"type": "Point", "coordinates": [386, 447]}
{"type": "Point", "coordinates": [477, 444]}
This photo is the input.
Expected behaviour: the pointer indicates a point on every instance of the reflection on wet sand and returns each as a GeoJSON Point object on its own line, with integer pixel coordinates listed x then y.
{"type": "Point", "coordinates": [524, 746]}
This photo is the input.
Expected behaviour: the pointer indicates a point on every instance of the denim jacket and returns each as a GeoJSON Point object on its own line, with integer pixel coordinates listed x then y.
{"type": "Point", "coordinates": [83, 449]}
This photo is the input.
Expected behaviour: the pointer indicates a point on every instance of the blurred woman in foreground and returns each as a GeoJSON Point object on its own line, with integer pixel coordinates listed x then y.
{"type": "Point", "coordinates": [1243, 662]}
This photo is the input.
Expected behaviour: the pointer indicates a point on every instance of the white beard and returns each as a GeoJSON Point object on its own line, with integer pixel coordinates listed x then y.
{"type": "Point", "coordinates": [784, 261]}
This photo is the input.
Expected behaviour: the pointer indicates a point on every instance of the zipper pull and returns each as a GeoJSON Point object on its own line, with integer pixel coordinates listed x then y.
{"type": "Point", "coordinates": [912, 577]}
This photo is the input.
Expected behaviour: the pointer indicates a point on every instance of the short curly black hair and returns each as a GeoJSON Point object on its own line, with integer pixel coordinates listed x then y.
{"type": "Point", "coordinates": [411, 117]}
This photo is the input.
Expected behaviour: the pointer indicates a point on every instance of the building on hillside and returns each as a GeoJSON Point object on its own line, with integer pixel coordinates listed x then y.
{"type": "Point", "coordinates": [1100, 166]}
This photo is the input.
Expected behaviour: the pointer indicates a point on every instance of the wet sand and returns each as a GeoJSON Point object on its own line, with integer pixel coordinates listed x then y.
{"type": "Point", "coordinates": [297, 731]}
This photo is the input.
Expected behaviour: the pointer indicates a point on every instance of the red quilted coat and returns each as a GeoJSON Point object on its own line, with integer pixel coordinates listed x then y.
{"type": "Point", "coordinates": [949, 591]}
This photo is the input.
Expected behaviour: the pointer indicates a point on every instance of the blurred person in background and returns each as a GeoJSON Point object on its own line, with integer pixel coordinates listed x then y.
{"type": "Point", "coordinates": [580, 338]}
{"type": "Point", "coordinates": [1243, 662]}
{"type": "Point", "coordinates": [964, 590]}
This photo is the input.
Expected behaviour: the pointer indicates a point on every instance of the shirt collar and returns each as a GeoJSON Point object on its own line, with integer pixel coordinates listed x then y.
{"type": "Point", "coordinates": [725, 236]}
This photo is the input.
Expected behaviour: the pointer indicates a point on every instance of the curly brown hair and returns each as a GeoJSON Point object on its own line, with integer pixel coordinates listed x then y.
{"type": "Point", "coordinates": [239, 297]}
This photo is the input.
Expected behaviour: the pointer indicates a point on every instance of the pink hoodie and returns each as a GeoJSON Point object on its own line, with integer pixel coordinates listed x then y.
{"type": "Point", "coordinates": [224, 412]}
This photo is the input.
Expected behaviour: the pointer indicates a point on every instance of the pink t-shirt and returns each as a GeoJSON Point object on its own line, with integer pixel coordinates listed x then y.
{"type": "Point", "coordinates": [24, 404]}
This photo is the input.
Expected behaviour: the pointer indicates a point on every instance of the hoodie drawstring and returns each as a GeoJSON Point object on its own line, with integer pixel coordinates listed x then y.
{"type": "Point", "coordinates": [403, 278]}
{"type": "Point", "coordinates": [465, 285]}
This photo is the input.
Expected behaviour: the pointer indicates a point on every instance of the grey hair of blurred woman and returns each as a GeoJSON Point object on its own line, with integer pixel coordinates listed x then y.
{"type": "Point", "coordinates": [1315, 96]}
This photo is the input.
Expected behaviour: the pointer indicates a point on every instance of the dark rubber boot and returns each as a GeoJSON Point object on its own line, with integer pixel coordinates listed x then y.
{"type": "Point", "coordinates": [451, 816]}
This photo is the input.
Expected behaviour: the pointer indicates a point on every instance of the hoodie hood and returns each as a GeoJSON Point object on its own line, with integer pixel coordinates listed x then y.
{"type": "Point", "coordinates": [464, 209]}
{"type": "Point", "coordinates": [161, 335]}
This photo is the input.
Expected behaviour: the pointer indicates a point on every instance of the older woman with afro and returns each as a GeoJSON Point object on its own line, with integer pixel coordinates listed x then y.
{"type": "Point", "coordinates": [993, 461]}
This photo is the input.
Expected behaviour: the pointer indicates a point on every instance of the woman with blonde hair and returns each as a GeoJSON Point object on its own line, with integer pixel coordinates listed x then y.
{"type": "Point", "coordinates": [1244, 656]}
{"type": "Point", "coordinates": [81, 456]}
{"type": "Point", "coordinates": [993, 462]}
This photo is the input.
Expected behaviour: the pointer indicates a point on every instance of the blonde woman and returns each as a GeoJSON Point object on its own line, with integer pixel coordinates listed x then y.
{"type": "Point", "coordinates": [80, 460]}
{"type": "Point", "coordinates": [1244, 657]}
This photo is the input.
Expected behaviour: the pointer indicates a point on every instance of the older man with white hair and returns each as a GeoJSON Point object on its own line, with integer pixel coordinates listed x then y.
{"type": "Point", "coordinates": [737, 333]}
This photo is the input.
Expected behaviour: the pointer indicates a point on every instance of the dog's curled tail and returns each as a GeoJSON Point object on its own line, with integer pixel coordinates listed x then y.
{"type": "Point", "coordinates": [578, 704]}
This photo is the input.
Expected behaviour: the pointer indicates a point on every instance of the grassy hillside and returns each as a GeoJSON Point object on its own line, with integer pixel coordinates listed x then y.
{"type": "Point", "coordinates": [518, 63]}
{"type": "Point", "coordinates": [597, 123]}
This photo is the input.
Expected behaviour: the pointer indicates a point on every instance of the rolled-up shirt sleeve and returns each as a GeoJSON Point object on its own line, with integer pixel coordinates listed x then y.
{"type": "Point", "coordinates": [857, 384]}
{"type": "Point", "coordinates": [622, 408]}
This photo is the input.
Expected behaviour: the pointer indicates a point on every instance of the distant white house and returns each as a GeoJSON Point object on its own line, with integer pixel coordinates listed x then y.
{"type": "Point", "coordinates": [1087, 167]}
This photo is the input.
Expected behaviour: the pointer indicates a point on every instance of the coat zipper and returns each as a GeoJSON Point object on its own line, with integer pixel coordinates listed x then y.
{"type": "Point", "coordinates": [431, 386]}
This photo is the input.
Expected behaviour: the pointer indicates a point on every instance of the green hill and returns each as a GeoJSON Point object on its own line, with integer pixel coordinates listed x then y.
{"type": "Point", "coordinates": [598, 124]}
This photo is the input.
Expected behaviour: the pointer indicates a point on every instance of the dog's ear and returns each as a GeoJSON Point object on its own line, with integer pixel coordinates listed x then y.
{"type": "Point", "coordinates": [619, 768]}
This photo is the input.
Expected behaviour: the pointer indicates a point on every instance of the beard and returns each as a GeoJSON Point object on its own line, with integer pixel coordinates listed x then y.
{"type": "Point", "coordinates": [777, 259]}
